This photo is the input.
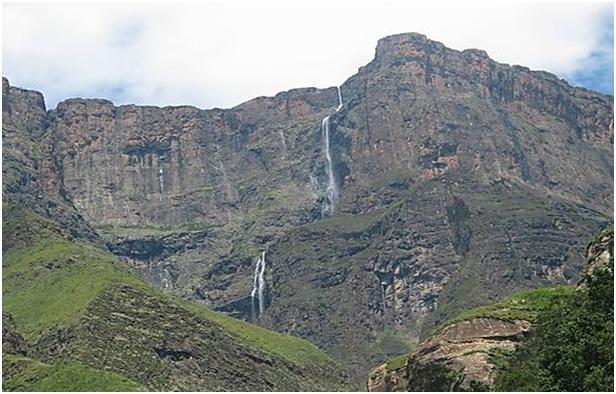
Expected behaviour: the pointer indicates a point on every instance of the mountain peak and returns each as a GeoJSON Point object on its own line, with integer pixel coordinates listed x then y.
{"type": "Point", "coordinates": [416, 46]}
{"type": "Point", "coordinates": [406, 44]}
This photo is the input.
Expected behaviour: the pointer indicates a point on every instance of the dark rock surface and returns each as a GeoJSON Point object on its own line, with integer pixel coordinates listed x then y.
{"type": "Point", "coordinates": [12, 341]}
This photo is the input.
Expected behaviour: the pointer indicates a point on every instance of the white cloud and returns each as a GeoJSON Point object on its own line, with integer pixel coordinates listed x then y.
{"type": "Point", "coordinates": [220, 54]}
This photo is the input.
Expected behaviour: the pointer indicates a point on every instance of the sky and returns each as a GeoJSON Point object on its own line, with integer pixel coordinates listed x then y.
{"type": "Point", "coordinates": [219, 54]}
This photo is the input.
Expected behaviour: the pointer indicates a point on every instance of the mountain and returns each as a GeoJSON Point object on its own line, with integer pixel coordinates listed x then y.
{"type": "Point", "coordinates": [455, 181]}
{"type": "Point", "coordinates": [496, 346]}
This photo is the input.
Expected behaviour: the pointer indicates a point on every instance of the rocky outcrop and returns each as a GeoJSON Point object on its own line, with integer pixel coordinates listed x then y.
{"type": "Point", "coordinates": [461, 181]}
{"type": "Point", "coordinates": [12, 341]}
{"type": "Point", "coordinates": [456, 358]}
{"type": "Point", "coordinates": [599, 255]}
{"type": "Point", "coordinates": [466, 346]}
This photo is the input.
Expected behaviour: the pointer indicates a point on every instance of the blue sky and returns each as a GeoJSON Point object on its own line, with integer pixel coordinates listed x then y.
{"type": "Point", "coordinates": [596, 72]}
{"type": "Point", "coordinates": [219, 54]}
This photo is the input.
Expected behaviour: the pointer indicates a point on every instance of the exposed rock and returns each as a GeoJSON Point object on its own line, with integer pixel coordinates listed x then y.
{"type": "Point", "coordinates": [12, 341]}
{"type": "Point", "coordinates": [599, 254]}
{"type": "Point", "coordinates": [133, 165]}
{"type": "Point", "coordinates": [381, 380]}
{"type": "Point", "coordinates": [454, 358]}
{"type": "Point", "coordinates": [465, 347]}
{"type": "Point", "coordinates": [26, 154]}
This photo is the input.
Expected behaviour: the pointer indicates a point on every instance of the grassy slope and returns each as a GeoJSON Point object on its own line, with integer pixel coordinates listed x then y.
{"type": "Point", "coordinates": [49, 281]}
{"type": "Point", "coordinates": [25, 374]}
{"type": "Point", "coordinates": [295, 350]}
{"type": "Point", "coordinates": [41, 296]}
{"type": "Point", "coordinates": [523, 305]}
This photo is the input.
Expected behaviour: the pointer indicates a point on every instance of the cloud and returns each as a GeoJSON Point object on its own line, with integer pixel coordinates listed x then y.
{"type": "Point", "coordinates": [218, 54]}
{"type": "Point", "coordinates": [596, 71]}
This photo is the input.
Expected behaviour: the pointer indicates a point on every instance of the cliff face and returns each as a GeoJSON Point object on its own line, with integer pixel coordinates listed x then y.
{"type": "Point", "coordinates": [424, 111]}
{"type": "Point", "coordinates": [30, 174]}
{"type": "Point", "coordinates": [461, 180]}
{"type": "Point", "coordinates": [132, 166]}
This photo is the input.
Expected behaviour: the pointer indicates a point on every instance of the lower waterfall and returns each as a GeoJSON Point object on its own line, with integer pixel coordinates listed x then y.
{"type": "Point", "coordinates": [258, 288]}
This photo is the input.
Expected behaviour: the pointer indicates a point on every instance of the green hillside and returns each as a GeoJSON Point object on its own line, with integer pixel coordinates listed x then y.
{"type": "Point", "coordinates": [82, 314]}
{"type": "Point", "coordinates": [25, 374]}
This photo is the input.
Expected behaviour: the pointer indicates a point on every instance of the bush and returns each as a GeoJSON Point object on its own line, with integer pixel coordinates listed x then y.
{"type": "Point", "coordinates": [572, 347]}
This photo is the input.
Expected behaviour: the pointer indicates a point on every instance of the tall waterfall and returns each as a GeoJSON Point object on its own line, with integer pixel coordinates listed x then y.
{"type": "Point", "coordinates": [331, 191]}
{"type": "Point", "coordinates": [161, 180]}
{"type": "Point", "coordinates": [258, 288]}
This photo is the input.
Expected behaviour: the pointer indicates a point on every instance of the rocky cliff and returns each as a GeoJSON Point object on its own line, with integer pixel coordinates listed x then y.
{"type": "Point", "coordinates": [461, 181]}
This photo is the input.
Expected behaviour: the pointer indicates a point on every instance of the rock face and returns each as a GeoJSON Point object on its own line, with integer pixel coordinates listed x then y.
{"type": "Point", "coordinates": [468, 344]}
{"type": "Point", "coordinates": [453, 359]}
{"type": "Point", "coordinates": [599, 254]}
{"type": "Point", "coordinates": [461, 180]}
{"type": "Point", "coordinates": [30, 173]}
{"type": "Point", "coordinates": [12, 341]}
{"type": "Point", "coordinates": [131, 166]}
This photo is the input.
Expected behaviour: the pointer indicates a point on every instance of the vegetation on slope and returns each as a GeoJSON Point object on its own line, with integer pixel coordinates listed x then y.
{"type": "Point", "coordinates": [25, 374]}
{"type": "Point", "coordinates": [523, 305]}
{"type": "Point", "coordinates": [83, 313]}
{"type": "Point", "coordinates": [52, 282]}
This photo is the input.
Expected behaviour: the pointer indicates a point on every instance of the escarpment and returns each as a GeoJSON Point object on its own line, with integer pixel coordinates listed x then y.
{"type": "Point", "coordinates": [459, 181]}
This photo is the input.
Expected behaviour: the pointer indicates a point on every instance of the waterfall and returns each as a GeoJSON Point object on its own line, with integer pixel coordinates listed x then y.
{"type": "Point", "coordinates": [258, 287]}
{"type": "Point", "coordinates": [339, 107]}
{"type": "Point", "coordinates": [262, 284]}
{"type": "Point", "coordinates": [331, 191]}
{"type": "Point", "coordinates": [161, 180]}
